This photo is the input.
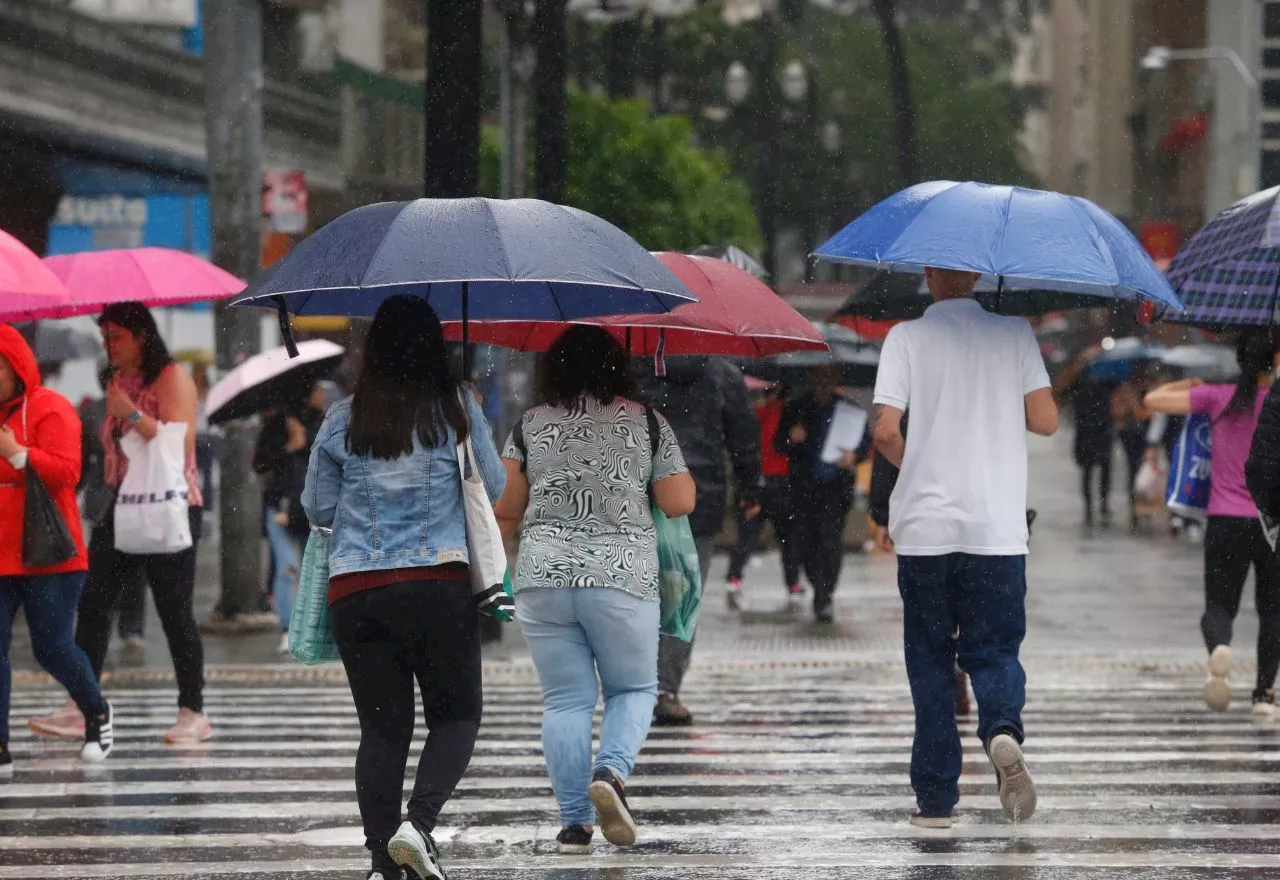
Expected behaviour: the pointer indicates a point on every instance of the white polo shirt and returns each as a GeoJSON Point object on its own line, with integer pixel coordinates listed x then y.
{"type": "Point", "coordinates": [963, 373]}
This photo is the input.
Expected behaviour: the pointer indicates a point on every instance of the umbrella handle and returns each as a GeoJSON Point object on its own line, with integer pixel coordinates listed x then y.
{"type": "Point", "coordinates": [286, 329]}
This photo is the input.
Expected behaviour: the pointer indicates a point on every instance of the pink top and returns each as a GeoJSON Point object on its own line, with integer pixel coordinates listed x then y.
{"type": "Point", "coordinates": [115, 463]}
{"type": "Point", "coordinates": [1232, 437]}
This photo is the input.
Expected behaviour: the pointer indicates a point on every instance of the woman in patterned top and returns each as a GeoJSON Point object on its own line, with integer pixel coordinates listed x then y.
{"type": "Point", "coordinates": [581, 474]}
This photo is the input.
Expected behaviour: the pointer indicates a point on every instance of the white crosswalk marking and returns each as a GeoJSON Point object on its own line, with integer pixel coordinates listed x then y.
{"type": "Point", "coordinates": [796, 770]}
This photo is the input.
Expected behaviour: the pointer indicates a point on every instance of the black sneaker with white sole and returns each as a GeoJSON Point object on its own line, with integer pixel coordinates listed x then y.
{"type": "Point", "coordinates": [574, 840]}
{"type": "Point", "coordinates": [6, 762]}
{"type": "Point", "coordinates": [417, 853]}
{"type": "Point", "coordinates": [1017, 788]}
{"type": "Point", "coordinates": [99, 736]}
{"type": "Point", "coordinates": [616, 822]}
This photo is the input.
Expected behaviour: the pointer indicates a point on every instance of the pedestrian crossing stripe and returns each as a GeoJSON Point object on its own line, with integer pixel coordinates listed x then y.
{"type": "Point", "coordinates": [806, 770]}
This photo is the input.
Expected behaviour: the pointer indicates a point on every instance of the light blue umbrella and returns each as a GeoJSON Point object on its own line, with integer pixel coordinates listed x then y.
{"type": "Point", "coordinates": [1016, 237]}
{"type": "Point", "coordinates": [472, 260]}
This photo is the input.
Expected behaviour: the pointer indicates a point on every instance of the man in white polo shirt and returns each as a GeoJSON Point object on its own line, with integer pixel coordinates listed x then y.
{"type": "Point", "coordinates": [975, 384]}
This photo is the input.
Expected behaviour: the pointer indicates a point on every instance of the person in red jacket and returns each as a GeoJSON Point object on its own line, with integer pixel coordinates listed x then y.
{"type": "Point", "coordinates": [39, 430]}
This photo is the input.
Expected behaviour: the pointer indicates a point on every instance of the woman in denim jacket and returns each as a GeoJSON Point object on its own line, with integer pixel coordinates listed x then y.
{"type": "Point", "coordinates": [384, 477]}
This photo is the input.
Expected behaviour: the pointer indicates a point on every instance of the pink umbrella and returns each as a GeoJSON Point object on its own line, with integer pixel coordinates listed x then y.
{"type": "Point", "coordinates": [152, 276]}
{"type": "Point", "coordinates": [736, 315]}
{"type": "Point", "coordinates": [27, 287]}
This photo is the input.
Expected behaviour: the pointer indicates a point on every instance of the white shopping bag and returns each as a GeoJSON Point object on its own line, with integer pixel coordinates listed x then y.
{"type": "Point", "coordinates": [486, 557]}
{"type": "Point", "coordinates": [151, 508]}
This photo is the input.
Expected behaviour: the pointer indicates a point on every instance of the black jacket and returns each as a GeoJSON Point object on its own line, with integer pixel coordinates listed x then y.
{"type": "Point", "coordinates": [705, 400]}
{"type": "Point", "coordinates": [1262, 470]}
{"type": "Point", "coordinates": [807, 412]}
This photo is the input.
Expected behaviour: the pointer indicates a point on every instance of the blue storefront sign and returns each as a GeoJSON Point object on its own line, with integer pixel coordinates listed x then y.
{"type": "Point", "coordinates": [105, 206]}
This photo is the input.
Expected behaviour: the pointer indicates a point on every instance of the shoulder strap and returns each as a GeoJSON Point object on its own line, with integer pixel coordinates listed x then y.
{"type": "Point", "coordinates": [655, 432]}
{"type": "Point", "coordinates": [517, 438]}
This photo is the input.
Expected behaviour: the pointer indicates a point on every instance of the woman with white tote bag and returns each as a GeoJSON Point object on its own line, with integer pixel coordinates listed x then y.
{"type": "Point", "coordinates": [148, 440]}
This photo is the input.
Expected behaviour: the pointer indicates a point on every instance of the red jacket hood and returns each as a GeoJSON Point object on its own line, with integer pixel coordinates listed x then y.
{"type": "Point", "coordinates": [14, 349]}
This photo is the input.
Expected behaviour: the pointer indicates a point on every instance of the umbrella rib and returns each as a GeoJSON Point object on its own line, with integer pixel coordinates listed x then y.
{"type": "Point", "coordinates": [1104, 252]}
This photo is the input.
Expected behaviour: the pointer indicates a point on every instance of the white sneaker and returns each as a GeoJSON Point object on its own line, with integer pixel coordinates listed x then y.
{"type": "Point", "coordinates": [1195, 533]}
{"type": "Point", "coordinates": [1017, 788]}
{"type": "Point", "coordinates": [1217, 691]}
{"type": "Point", "coordinates": [733, 595]}
{"type": "Point", "coordinates": [1264, 708]}
{"type": "Point", "coordinates": [283, 647]}
{"type": "Point", "coordinates": [417, 852]}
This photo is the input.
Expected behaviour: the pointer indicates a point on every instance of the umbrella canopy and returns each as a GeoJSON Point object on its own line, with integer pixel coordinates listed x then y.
{"type": "Point", "coordinates": [898, 296]}
{"type": "Point", "coordinates": [271, 379]}
{"type": "Point", "coordinates": [1228, 274]}
{"type": "Point", "coordinates": [472, 260]}
{"type": "Point", "coordinates": [856, 358]}
{"type": "Point", "coordinates": [156, 277]}
{"type": "Point", "coordinates": [734, 255]}
{"type": "Point", "coordinates": [1119, 357]}
{"type": "Point", "coordinates": [28, 289]}
{"type": "Point", "coordinates": [735, 315]}
{"type": "Point", "coordinates": [1023, 237]}
{"type": "Point", "coordinates": [54, 344]}
{"type": "Point", "coordinates": [1209, 361]}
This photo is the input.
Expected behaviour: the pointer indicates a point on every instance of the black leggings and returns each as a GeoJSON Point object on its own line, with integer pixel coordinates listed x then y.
{"type": "Point", "coordinates": [172, 577]}
{"type": "Point", "coordinates": [388, 637]}
{"type": "Point", "coordinates": [775, 507]}
{"type": "Point", "coordinates": [1231, 545]}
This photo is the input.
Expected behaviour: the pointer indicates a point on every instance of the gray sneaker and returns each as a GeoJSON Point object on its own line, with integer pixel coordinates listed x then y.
{"type": "Point", "coordinates": [1017, 788]}
{"type": "Point", "coordinates": [416, 851]}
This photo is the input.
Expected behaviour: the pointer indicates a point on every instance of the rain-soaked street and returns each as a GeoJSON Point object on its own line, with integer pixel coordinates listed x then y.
{"type": "Point", "coordinates": [797, 762]}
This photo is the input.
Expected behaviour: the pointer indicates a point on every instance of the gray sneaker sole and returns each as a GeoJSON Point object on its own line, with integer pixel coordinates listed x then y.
{"type": "Point", "coordinates": [616, 823]}
{"type": "Point", "coordinates": [1017, 788]}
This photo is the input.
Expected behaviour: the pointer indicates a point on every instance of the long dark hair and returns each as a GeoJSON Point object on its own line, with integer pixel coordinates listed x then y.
{"type": "Point", "coordinates": [138, 320]}
{"type": "Point", "coordinates": [585, 361]}
{"type": "Point", "coordinates": [1254, 353]}
{"type": "Point", "coordinates": [407, 385]}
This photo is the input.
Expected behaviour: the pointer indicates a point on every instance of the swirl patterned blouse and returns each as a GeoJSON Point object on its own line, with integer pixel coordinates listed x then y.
{"type": "Point", "coordinates": [588, 522]}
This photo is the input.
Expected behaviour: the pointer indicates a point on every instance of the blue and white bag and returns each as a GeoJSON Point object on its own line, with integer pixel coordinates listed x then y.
{"type": "Point", "coordinates": [1191, 469]}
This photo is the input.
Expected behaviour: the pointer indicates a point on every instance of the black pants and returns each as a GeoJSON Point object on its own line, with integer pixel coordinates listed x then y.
{"type": "Point", "coordinates": [172, 577]}
{"type": "Point", "coordinates": [775, 507]}
{"type": "Point", "coordinates": [820, 508]}
{"type": "Point", "coordinates": [1087, 468]}
{"type": "Point", "coordinates": [132, 610]}
{"type": "Point", "coordinates": [388, 637]}
{"type": "Point", "coordinates": [1231, 545]}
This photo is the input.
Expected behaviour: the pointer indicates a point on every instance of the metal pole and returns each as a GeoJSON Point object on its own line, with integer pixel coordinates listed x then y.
{"type": "Point", "coordinates": [233, 125]}
{"type": "Point", "coordinates": [506, 98]}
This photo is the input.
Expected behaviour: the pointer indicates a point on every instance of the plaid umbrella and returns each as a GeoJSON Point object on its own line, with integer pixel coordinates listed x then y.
{"type": "Point", "coordinates": [1228, 274]}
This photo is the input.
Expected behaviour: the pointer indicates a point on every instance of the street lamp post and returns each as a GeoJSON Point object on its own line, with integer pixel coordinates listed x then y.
{"type": "Point", "coordinates": [1159, 57]}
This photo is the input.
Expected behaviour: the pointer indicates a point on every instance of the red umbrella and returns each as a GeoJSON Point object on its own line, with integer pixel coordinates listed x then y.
{"type": "Point", "coordinates": [27, 287]}
{"type": "Point", "coordinates": [152, 276]}
{"type": "Point", "coordinates": [736, 315]}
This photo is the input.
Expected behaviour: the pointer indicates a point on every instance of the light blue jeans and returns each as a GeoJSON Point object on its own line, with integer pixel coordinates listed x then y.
{"type": "Point", "coordinates": [284, 550]}
{"type": "Point", "coordinates": [573, 634]}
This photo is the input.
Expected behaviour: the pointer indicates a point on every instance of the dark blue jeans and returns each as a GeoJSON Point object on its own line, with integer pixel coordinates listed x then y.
{"type": "Point", "coordinates": [50, 604]}
{"type": "Point", "coordinates": [970, 608]}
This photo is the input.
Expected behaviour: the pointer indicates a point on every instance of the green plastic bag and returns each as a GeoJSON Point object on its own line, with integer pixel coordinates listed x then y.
{"type": "Point", "coordinates": [498, 612]}
{"type": "Point", "coordinates": [310, 634]}
{"type": "Point", "coordinates": [679, 576]}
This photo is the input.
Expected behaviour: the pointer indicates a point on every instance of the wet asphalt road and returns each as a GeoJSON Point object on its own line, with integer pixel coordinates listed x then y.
{"type": "Point", "coordinates": [797, 766]}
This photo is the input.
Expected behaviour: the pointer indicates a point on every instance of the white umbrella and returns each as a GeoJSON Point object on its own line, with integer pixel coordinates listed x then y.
{"type": "Point", "coordinates": [270, 379]}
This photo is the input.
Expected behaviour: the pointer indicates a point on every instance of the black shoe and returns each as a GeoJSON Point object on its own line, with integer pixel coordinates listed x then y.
{"type": "Point", "coordinates": [670, 712]}
{"type": "Point", "coordinates": [616, 822]}
{"type": "Point", "coordinates": [823, 609]}
{"type": "Point", "coordinates": [6, 762]}
{"type": "Point", "coordinates": [574, 841]}
{"type": "Point", "coordinates": [99, 736]}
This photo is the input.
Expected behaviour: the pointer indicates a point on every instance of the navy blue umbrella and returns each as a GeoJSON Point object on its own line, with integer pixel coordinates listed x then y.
{"type": "Point", "coordinates": [472, 260]}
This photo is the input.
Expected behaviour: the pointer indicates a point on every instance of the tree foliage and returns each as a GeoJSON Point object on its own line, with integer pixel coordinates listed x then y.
{"type": "Point", "coordinates": [645, 175]}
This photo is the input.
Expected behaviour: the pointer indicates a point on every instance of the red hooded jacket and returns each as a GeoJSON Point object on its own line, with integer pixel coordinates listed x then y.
{"type": "Point", "coordinates": [46, 423]}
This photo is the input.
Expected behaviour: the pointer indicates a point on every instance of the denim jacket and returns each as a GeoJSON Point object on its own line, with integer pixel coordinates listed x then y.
{"type": "Point", "coordinates": [403, 513]}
